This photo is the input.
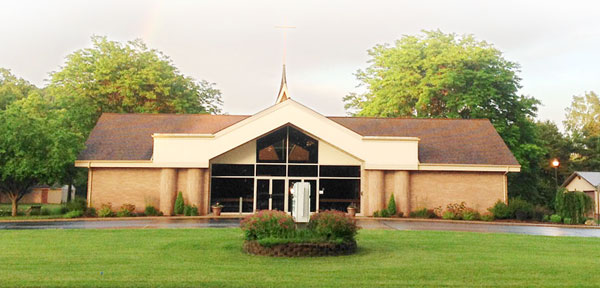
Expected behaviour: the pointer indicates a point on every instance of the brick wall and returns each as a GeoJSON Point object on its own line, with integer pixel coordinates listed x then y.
{"type": "Point", "coordinates": [137, 186]}
{"type": "Point", "coordinates": [480, 190]}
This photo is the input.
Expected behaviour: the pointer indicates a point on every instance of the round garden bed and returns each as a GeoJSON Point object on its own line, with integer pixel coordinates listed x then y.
{"type": "Point", "coordinates": [301, 249]}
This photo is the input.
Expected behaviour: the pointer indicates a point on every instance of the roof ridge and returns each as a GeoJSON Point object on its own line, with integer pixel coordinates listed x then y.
{"type": "Point", "coordinates": [173, 114]}
{"type": "Point", "coordinates": [406, 118]}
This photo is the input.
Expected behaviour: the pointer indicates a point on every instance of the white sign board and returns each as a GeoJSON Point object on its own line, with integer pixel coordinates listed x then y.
{"type": "Point", "coordinates": [301, 202]}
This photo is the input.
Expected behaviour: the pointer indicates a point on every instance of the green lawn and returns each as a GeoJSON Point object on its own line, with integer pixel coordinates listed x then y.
{"type": "Point", "coordinates": [23, 207]}
{"type": "Point", "coordinates": [213, 258]}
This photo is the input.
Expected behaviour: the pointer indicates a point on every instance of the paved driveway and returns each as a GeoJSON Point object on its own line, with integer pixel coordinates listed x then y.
{"type": "Point", "coordinates": [364, 223]}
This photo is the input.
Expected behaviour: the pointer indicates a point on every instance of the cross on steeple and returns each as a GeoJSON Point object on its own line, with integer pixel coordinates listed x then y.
{"type": "Point", "coordinates": [283, 90]}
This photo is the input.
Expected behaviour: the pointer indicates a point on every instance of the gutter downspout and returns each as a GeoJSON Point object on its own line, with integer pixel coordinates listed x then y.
{"type": "Point", "coordinates": [505, 180]}
{"type": "Point", "coordinates": [90, 178]}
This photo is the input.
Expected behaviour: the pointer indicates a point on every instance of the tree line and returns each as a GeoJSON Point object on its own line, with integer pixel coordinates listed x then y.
{"type": "Point", "coordinates": [438, 75]}
{"type": "Point", "coordinates": [42, 130]}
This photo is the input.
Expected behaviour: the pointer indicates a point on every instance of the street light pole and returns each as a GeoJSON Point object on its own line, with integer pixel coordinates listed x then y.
{"type": "Point", "coordinates": [555, 164]}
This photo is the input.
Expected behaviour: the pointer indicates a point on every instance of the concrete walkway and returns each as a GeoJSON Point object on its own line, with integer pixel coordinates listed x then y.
{"type": "Point", "coordinates": [365, 223]}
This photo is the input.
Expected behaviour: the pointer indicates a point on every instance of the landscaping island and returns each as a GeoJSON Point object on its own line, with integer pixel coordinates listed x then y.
{"type": "Point", "coordinates": [274, 233]}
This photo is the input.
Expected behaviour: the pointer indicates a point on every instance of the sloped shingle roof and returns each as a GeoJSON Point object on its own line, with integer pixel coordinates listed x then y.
{"type": "Point", "coordinates": [443, 141]}
{"type": "Point", "coordinates": [591, 177]}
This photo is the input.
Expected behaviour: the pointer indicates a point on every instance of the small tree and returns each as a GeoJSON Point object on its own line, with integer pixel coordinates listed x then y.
{"type": "Point", "coordinates": [35, 146]}
{"type": "Point", "coordinates": [574, 205]}
{"type": "Point", "coordinates": [179, 204]}
{"type": "Point", "coordinates": [392, 206]}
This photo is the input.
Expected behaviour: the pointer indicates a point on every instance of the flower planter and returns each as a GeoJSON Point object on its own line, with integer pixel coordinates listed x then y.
{"type": "Point", "coordinates": [216, 210]}
{"type": "Point", "coordinates": [301, 249]}
{"type": "Point", "coordinates": [351, 211]}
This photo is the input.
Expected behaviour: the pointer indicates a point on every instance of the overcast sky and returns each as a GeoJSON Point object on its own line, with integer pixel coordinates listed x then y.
{"type": "Point", "coordinates": [235, 45]}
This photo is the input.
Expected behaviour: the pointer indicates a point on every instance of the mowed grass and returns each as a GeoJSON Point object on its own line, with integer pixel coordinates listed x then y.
{"type": "Point", "coordinates": [214, 258]}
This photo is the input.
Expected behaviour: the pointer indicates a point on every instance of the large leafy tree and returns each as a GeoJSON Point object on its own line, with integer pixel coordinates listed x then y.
{"type": "Point", "coordinates": [127, 78]}
{"type": "Point", "coordinates": [442, 75]}
{"type": "Point", "coordinates": [123, 78]}
{"type": "Point", "coordinates": [35, 146]}
{"type": "Point", "coordinates": [556, 146]}
{"type": "Point", "coordinates": [583, 125]}
{"type": "Point", "coordinates": [12, 88]}
{"type": "Point", "coordinates": [583, 116]}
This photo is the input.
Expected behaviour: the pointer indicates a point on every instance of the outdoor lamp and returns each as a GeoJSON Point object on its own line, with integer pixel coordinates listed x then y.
{"type": "Point", "coordinates": [555, 164]}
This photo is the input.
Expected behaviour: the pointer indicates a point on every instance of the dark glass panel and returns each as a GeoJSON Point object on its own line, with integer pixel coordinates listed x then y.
{"type": "Point", "coordinates": [313, 194]}
{"type": "Point", "coordinates": [262, 194]}
{"type": "Point", "coordinates": [232, 170]}
{"type": "Point", "coordinates": [278, 195]}
{"type": "Point", "coordinates": [271, 148]}
{"type": "Point", "coordinates": [339, 193]}
{"type": "Point", "coordinates": [339, 171]}
{"type": "Point", "coordinates": [303, 149]}
{"type": "Point", "coordinates": [270, 170]}
{"type": "Point", "coordinates": [228, 191]}
{"type": "Point", "coordinates": [302, 170]}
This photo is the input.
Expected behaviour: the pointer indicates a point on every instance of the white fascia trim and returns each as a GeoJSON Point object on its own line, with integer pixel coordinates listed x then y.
{"type": "Point", "coordinates": [280, 106]}
{"type": "Point", "coordinates": [182, 135]}
{"type": "Point", "coordinates": [392, 138]}
{"type": "Point", "coordinates": [368, 166]}
{"type": "Point", "coordinates": [136, 164]}
{"type": "Point", "coordinates": [470, 167]}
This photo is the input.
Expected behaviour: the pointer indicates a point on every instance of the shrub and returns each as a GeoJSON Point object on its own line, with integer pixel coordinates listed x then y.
{"type": "Point", "coordinates": [151, 211]}
{"type": "Point", "coordinates": [568, 221]}
{"type": "Point", "coordinates": [44, 211]}
{"type": "Point", "coordinates": [391, 208]}
{"type": "Point", "coordinates": [546, 218]}
{"type": "Point", "coordinates": [179, 204]}
{"type": "Point", "coordinates": [500, 210]}
{"type": "Point", "coordinates": [90, 212]}
{"type": "Point", "coordinates": [574, 205]}
{"type": "Point", "coordinates": [423, 213]}
{"type": "Point", "coordinates": [487, 217]}
{"type": "Point", "coordinates": [331, 224]}
{"type": "Point", "coordinates": [470, 215]}
{"type": "Point", "coordinates": [58, 210]}
{"type": "Point", "coordinates": [381, 213]}
{"type": "Point", "coordinates": [35, 212]}
{"type": "Point", "coordinates": [74, 214]}
{"type": "Point", "coordinates": [190, 210]}
{"type": "Point", "coordinates": [105, 210]}
{"type": "Point", "coordinates": [449, 215]}
{"type": "Point", "coordinates": [457, 209]}
{"type": "Point", "coordinates": [520, 209]}
{"type": "Point", "coordinates": [126, 210]}
{"type": "Point", "coordinates": [77, 204]}
{"type": "Point", "coordinates": [540, 212]}
{"type": "Point", "coordinates": [268, 223]}
{"type": "Point", "coordinates": [555, 218]}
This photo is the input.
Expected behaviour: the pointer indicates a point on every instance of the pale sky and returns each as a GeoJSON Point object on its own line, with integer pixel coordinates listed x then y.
{"type": "Point", "coordinates": [235, 45]}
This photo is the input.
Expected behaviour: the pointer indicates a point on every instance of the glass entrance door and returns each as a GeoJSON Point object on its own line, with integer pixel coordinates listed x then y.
{"type": "Point", "coordinates": [270, 194]}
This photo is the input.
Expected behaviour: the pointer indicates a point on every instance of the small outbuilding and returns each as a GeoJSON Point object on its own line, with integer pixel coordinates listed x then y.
{"type": "Point", "coordinates": [587, 182]}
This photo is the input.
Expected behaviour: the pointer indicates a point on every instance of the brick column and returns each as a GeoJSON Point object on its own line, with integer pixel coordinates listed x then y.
{"type": "Point", "coordinates": [376, 190]}
{"type": "Point", "coordinates": [168, 190]}
{"type": "Point", "coordinates": [205, 192]}
{"type": "Point", "coordinates": [194, 185]}
{"type": "Point", "coordinates": [402, 191]}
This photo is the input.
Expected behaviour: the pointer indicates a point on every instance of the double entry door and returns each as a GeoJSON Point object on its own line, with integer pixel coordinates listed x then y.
{"type": "Point", "coordinates": [275, 193]}
{"type": "Point", "coordinates": [270, 194]}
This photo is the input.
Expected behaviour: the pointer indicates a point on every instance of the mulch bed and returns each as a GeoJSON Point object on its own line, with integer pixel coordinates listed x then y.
{"type": "Point", "coordinates": [301, 249]}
